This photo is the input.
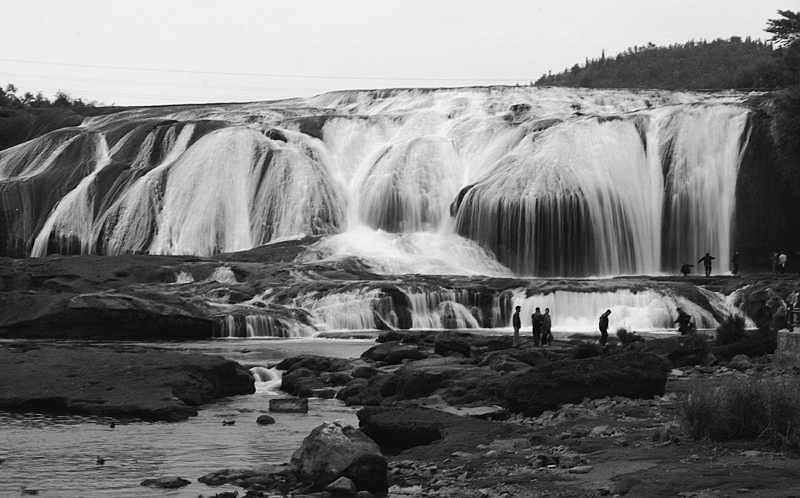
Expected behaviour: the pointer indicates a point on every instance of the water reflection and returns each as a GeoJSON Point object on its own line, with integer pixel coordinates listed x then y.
{"type": "Point", "coordinates": [57, 454]}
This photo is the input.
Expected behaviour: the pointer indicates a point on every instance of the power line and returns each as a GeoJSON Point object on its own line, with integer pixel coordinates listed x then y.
{"type": "Point", "coordinates": [264, 75]}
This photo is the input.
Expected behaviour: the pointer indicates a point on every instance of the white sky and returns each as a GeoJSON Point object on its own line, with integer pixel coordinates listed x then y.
{"type": "Point", "coordinates": [144, 52]}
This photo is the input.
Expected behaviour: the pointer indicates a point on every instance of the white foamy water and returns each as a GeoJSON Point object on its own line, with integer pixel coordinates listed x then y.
{"type": "Point", "coordinates": [493, 181]}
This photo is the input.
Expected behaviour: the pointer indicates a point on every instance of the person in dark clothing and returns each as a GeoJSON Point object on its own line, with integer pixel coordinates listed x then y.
{"type": "Point", "coordinates": [763, 316]}
{"type": "Point", "coordinates": [547, 336]}
{"type": "Point", "coordinates": [604, 327]}
{"type": "Point", "coordinates": [735, 261]}
{"type": "Point", "coordinates": [537, 320]}
{"type": "Point", "coordinates": [686, 268]}
{"type": "Point", "coordinates": [706, 260]}
{"type": "Point", "coordinates": [683, 321]}
{"type": "Point", "coordinates": [517, 325]}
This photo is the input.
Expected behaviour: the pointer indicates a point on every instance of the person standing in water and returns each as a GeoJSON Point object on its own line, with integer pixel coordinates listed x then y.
{"type": "Point", "coordinates": [706, 260]}
{"type": "Point", "coordinates": [547, 336]}
{"type": "Point", "coordinates": [536, 321]}
{"type": "Point", "coordinates": [735, 261]}
{"type": "Point", "coordinates": [604, 327]}
{"type": "Point", "coordinates": [517, 325]}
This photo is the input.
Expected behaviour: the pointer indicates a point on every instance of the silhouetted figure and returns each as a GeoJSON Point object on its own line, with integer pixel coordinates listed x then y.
{"type": "Point", "coordinates": [112, 425]}
{"type": "Point", "coordinates": [684, 322]}
{"type": "Point", "coordinates": [791, 303]}
{"type": "Point", "coordinates": [100, 461]}
{"type": "Point", "coordinates": [536, 322]}
{"type": "Point", "coordinates": [604, 327]}
{"type": "Point", "coordinates": [686, 268]}
{"type": "Point", "coordinates": [763, 316]}
{"type": "Point", "coordinates": [735, 261]}
{"type": "Point", "coordinates": [782, 262]}
{"type": "Point", "coordinates": [547, 336]}
{"type": "Point", "coordinates": [517, 325]}
{"type": "Point", "coordinates": [706, 260]}
{"type": "Point", "coordinates": [774, 260]}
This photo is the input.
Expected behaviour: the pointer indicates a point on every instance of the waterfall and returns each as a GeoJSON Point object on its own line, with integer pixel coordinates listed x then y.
{"type": "Point", "coordinates": [492, 181]}
{"type": "Point", "coordinates": [646, 310]}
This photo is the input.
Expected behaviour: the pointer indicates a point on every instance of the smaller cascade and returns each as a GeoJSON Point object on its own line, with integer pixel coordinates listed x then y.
{"type": "Point", "coordinates": [352, 310]}
{"type": "Point", "coordinates": [183, 277]}
{"type": "Point", "coordinates": [440, 309]}
{"type": "Point", "coordinates": [268, 380]}
{"type": "Point", "coordinates": [261, 326]}
{"type": "Point", "coordinates": [641, 311]}
{"type": "Point", "coordinates": [223, 275]}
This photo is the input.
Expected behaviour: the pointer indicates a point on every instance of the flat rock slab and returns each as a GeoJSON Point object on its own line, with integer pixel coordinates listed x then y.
{"type": "Point", "coordinates": [115, 380]}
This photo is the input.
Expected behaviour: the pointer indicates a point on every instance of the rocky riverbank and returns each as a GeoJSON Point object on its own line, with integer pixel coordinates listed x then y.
{"type": "Point", "coordinates": [446, 412]}
{"type": "Point", "coordinates": [114, 380]}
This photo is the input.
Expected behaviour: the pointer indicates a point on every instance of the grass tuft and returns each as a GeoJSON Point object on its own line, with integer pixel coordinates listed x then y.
{"type": "Point", "coordinates": [767, 409]}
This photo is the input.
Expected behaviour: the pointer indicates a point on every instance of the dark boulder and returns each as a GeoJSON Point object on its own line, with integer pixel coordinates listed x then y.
{"type": "Point", "coordinates": [314, 363]}
{"type": "Point", "coordinates": [172, 482]}
{"type": "Point", "coordinates": [545, 387]}
{"type": "Point", "coordinates": [681, 351]}
{"type": "Point", "coordinates": [402, 353]}
{"type": "Point", "coordinates": [265, 420]}
{"type": "Point", "coordinates": [301, 382]}
{"type": "Point", "coordinates": [392, 351]}
{"type": "Point", "coordinates": [448, 343]}
{"type": "Point", "coordinates": [335, 450]}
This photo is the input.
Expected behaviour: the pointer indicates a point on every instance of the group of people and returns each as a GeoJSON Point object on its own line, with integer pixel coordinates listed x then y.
{"type": "Point", "coordinates": [779, 262]}
{"type": "Point", "coordinates": [541, 324]}
{"type": "Point", "coordinates": [686, 268]}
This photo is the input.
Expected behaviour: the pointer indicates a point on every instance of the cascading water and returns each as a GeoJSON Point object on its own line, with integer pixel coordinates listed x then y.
{"type": "Point", "coordinates": [495, 181]}
{"type": "Point", "coordinates": [646, 310]}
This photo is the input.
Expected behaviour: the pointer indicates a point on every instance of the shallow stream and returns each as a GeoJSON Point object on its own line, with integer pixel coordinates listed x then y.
{"type": "Point", "coordinates": [57, 455]}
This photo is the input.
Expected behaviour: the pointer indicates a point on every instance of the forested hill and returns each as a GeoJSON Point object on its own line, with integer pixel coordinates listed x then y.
{"type": "Point", "coordinates": [718, 64]}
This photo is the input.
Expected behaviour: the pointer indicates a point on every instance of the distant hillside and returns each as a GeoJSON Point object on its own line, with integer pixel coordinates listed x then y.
{"type": "Point", "coordinates": [694, 65]}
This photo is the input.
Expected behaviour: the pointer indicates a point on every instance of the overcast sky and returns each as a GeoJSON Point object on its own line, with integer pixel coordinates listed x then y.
{"type": "Point", "coordinates": [144, 52]}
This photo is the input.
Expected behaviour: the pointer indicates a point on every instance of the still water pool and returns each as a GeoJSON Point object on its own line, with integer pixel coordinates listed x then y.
{"type": "Point", "coordinates": [57, 455]}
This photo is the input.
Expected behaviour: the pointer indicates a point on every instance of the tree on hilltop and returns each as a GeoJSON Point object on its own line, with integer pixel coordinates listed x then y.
{"type": "Point", "coordinates": [784, 31]}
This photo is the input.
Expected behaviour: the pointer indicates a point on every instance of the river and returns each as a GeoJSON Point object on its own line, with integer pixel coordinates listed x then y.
{"type": "Point", "coordinates": [57, 454]}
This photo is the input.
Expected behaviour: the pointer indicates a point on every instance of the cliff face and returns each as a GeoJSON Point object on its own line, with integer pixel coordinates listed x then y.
{"type": "Point", "coordinates": [766, 206]}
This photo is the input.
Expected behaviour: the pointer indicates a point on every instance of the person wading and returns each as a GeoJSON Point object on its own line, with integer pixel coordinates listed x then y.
{"type": "Point", "coordinates": [536, 321]}
{"type": "Point", "coordinates": [604, 327]}
{"type": "Point", "coordinates": [517, 324]}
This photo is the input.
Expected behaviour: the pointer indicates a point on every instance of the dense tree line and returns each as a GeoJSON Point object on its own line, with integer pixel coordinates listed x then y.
{"type": "Point", "coordinates": [10, 98]}
{"type": "Point", "coordinates": [694, 65]}
{"type": "Point", "coordinates": [786, 37]}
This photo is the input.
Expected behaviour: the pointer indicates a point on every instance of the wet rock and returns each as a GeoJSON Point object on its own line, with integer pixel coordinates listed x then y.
{"type": "Point", "coordinates": [342, 486]}
{"type": "Point", "coordinates": [448, 343]}
{"type": "Point", "coordinates": [741, 362]}
{"type": "Point", "coordinates": [87, 380]}
{"type": "Point", "coordinates": [289, 405]}
{"type": "Point", "coordinates": [301, 382]}
{"type": "Point", "coordinates": [363, 372]}
{"type": "Point", "coordinates": [172, 482]}
{"type": "Point", "coordinates": [324, 393]}
{"type": "Point", "coordinates": [265, 420]}
{"type": "Point", "coordinates": [633, 375]}
{"type": "Point", "coordinates": [335, 450]}
{"type": "Point", "coordinates": [316, 364]}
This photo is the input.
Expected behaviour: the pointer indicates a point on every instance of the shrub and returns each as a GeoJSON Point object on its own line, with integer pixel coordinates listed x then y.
{"type": "Point", "coordinates": [731, 330]}
{"type": "Point", "coordinates": [768, 409]}
{"type": "Point", "coordinates": [628, 338]}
